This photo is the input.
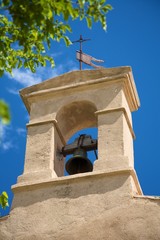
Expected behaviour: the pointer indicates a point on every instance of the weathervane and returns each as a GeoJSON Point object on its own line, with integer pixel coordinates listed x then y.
{"type": "Point", "coordinates": [82, 57]}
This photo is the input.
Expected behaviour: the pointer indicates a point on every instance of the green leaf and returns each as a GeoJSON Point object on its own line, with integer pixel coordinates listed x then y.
{"type": "Point", "coordinates": [102, 2]}
{"type": "Point", "coordinates": [4, 200]}
{"type": "Point", "coordinates": [107, 8]}
{"type": "Point", "coordinates": [103, 22]}
{"type": "Point", "coordinates": [6, 2]}
{"type": "Point", "coordinates": [20, 64]}
{"type": "Point", "coordinates": [67, 41]}
{"type": "Point", "coordinates": [70, 10]}
{"type": "Point", "coordinates": [50, 14]}
{"type": "Point", "coordinates": [51, 61]}
{"type": "Point", "coordinates": [4, 112]}
{"type": "Point", "coordinates": [31, 66]}
{"type": "Point", "coordinates": [5, 195]}
{"type": "Point", "coordinates": [1, 72]}
{"type": "Point", "coordinates": [48, 43]}
{"type": "Point", "coordinates": [89, 22]}
{"type": "Point", "coordinates": [66, 15]}
{"type": "Point", "coordinates": [68, 28]}
{"type": "Point", "coordinates": [81, 3]}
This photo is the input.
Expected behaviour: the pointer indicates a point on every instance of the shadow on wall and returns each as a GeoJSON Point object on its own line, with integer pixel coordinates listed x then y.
{"type": "Point", "coordinates": [76, 116]}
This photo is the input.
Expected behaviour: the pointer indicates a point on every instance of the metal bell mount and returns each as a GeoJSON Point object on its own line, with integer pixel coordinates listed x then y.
{"type": "Point", "coordinates": [79, 163]}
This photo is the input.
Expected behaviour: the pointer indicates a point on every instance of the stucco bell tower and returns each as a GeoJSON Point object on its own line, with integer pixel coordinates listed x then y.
{"type": "Point", "coordinates": [106, 203]}
{"type": "Point", "coordinates": [61, 106]}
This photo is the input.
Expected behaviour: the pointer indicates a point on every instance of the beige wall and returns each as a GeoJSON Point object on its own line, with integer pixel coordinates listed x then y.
{"type": "Point", "coordinates": [88, 206]}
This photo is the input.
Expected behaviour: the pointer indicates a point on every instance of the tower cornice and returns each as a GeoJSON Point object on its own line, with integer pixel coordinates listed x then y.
{"type": "Point", "coordinates": [79, 80]}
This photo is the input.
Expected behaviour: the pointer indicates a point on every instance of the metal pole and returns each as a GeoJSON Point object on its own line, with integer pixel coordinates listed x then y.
{"type": "Point", "coordinates": [80, 61]}
{"type": "Point", "coordinates": [81, 40]}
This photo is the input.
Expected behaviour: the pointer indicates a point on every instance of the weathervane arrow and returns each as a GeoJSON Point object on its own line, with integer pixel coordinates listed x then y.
{"type": "Point", "coordinates": [87, 59]}
{"type": "Point", "coordinates": [83, 57]}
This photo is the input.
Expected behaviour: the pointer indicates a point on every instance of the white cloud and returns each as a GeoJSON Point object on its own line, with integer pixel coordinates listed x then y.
{"type": "Point", "coordinates": [5, 144]}
{"type": "Point", "coordinates": [25, 77]}
{"type": "Point", "coordinates": [6, 136]}
{"type": "Point", "coordinates": [63, 68]}
{"type": "Point", "coordinates": [2, 131]}
{"type": "Point", "coordinates": [21, 131]}
{"type": "Point", "coordinates": [13, 91]}
{"type": "Point", "coordinates": [55, 55]}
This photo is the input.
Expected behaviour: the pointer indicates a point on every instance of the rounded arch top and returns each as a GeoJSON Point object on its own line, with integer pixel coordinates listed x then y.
{"type": "Point", "coordinates": [76, 116]}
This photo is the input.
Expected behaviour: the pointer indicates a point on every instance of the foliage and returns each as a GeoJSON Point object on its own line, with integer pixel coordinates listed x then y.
{"type": "Point", "coordinates": [28, 27]}
{"type": "Point", "coordinates": [4, 200]}
{"type": "Point", "coordinates": [4, 112]}
{"type": "Point", "coordinates": [5, 118]}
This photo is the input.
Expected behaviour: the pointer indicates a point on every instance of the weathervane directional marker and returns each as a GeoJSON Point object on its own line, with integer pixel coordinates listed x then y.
{"type": "Point", "coordinates": [82, 57]}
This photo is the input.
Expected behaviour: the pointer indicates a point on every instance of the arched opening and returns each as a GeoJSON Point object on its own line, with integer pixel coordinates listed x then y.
{"type": "Point", "coordinates": [76, 116]}
{"type": "Point", "coordinates": [75, 119]}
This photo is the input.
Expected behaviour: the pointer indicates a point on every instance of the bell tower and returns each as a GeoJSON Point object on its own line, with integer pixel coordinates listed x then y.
{"type": "Point", "coordinates": [96, 201]}
{"type": "Point", "coordinates": [61, 106]}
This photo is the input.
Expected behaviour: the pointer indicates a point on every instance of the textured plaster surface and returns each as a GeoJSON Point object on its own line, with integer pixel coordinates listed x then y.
{"type": "Point", "coordinates": [90, 207]}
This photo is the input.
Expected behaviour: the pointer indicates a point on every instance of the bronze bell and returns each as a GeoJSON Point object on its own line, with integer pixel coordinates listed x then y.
{"type": "Point", "coordinates": [79, 163]}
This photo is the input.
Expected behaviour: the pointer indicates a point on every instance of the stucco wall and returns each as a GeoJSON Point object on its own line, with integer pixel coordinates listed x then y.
{"type": "Point", "coordinates": [86, 206]}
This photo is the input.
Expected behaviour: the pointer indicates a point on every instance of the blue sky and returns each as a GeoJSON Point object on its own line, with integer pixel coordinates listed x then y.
{"type": "Point", "coordinates": [132, 39]}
